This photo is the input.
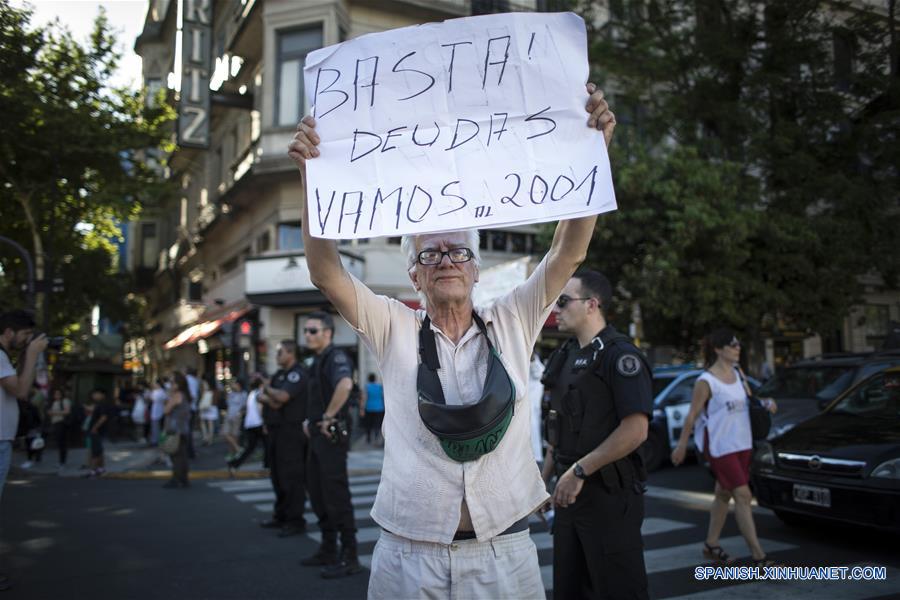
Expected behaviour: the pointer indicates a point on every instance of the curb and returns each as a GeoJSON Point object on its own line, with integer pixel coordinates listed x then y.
{"type": "Point", "coordinates": [211, 474]}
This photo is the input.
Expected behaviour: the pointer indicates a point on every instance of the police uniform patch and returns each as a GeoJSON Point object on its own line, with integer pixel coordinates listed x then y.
{"type": "Point", "coordinates": [293, 377]}
{"type": "Point", "coordinates": [340, 358]}
{"type": "Point", "coordinates": [628, 365]}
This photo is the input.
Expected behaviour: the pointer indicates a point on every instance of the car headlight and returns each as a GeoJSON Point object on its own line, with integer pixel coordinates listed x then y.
{"type": "Point", "coordinates": [765, 454]}
{"type": "Point", "coordinates": [888, 470]}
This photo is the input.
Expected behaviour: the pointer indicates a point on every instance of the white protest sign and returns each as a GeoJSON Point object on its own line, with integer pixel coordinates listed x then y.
{"type": "Point", "coordinates": [473, 122]}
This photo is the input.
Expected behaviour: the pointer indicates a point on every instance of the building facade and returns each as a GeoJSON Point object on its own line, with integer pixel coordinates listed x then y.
{"type": "Point", "coordinates": [223, 266]}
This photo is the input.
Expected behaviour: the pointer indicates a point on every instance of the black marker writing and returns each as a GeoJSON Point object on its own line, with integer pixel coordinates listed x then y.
{"type": "Point", "coordinates": [452, 57]}
{"type": "Point", "coordinates": [409, 206]}
{"type": "Point", "coordinates": [357, 212]}
{"type": "Point", "coordinates": [431, 143]}
{"type": "Point", "coordinates": [370, 85]}
{"type": "Point", "coordinates": [319, 210]}
{"type": "Point", "coordinates": [509, 199]}
{"type": "Point", "coordinates": [356, 134]}
{"type": "Point", "coordinates": [487, 57]}
{"type": "Point", "coordinates": [535, 117]}
{"type": "Point", "coordinates": [396, 70]}
{"type": "Point", "coordinates": [379, 199]}
{"type": "Point", "coordinates": [328, 90]}
{"type": "Point", "coordinates": [453, 144]}
{"type": "Point", "coordinates": [500, 131]}
{"type": "Point", "coordinates": [446, 194]}
{"type": "Point", "coordinates": [387, 138]}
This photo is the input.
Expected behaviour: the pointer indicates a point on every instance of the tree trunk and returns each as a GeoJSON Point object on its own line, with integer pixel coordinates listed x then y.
{"type": "Point", "coordinates": [39, 265]}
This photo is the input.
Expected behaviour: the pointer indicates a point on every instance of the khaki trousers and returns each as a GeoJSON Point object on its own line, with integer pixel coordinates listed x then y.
{"type": "Point", "coordinates": [503, 567]}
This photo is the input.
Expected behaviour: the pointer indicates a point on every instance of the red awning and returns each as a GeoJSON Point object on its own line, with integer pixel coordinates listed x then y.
{"type": "Point", "coordinates": [205, 329]}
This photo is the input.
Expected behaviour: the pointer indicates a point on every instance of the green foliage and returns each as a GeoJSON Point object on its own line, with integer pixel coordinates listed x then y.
{"type": "Point", "coordinates": [73, 152]}
{"type": "Point", "coordinates": [780, 190]}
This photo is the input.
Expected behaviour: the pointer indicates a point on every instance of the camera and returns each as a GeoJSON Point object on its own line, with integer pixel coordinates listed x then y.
{"type": "Point", "coordinates": [55, 342]}
{"type": "Point", "coordinates": [339, 431]}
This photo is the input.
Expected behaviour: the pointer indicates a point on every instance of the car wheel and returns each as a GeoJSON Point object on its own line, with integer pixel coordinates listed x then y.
{"type": "Point", "coordinates": [653, 451]}
{"type": "Point", "coordinates": [791, 519]}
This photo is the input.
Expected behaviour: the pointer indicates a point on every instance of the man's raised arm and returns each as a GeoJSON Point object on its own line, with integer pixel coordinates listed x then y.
{"type": "Point", "coordinates": [325, 269]}
{"type": "Point", "coordinates": [572, 236]}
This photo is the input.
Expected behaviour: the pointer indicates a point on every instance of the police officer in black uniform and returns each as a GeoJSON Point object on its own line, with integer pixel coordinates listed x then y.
{"type": "Point", "coordinates": [284, 411]}
{"type": "Point", "coordinates": [328, 424]}
{"type": "Point", "coordinates": [599, 413]}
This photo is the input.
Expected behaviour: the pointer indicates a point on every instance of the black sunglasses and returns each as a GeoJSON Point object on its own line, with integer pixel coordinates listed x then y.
{"type": "Point", "coordinates": [311, 330]}
{"type": "Point", "coordinates": [564, 299]}
{"type": "Point", "coordinates": [434, 257]}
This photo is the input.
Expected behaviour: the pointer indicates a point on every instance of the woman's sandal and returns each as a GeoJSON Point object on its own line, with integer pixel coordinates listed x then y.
{"type": "Point", "coordinates": [716, 553]}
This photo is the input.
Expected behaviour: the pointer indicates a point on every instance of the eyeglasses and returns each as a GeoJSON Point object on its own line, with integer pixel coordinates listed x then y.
{"type": "Point", "coordinates": [311, 330]}
{"type": "Point", "coordinates": [734, 344]}
{"type": "Point", "coordinates": [564, 299]}
{"type": "Point", "coordinates": [434, 257]}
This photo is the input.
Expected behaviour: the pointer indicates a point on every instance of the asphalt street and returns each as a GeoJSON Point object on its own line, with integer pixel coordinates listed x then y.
{"type": "Point", "coordinates": [113, 538]}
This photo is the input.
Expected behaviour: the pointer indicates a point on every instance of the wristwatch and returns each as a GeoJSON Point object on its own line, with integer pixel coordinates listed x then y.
{"type": "Point", "coordinates": [579, 472]}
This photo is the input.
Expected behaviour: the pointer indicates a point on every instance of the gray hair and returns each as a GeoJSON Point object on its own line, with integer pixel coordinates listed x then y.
{"type": "Point", "coordinates": [408, 247]}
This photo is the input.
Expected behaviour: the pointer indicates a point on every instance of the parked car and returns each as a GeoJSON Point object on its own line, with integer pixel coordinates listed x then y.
{"type": "Point", "coordinates": [802, 390]}
{"type": "Point", "coordinates": [842, 465]}
{"type": "Point", "coordinates": [673, 388]}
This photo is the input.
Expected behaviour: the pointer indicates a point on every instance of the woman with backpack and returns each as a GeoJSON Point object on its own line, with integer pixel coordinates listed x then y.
{"type": "Point", "coordinates": [720, 408]}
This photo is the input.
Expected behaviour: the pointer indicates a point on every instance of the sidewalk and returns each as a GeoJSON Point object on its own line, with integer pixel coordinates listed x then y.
{"type": "Point", "coordinates": [127, 459]}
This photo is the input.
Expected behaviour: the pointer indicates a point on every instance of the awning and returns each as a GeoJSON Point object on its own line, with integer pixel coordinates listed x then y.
{"type": "Point", "coordinates": [205, 329]}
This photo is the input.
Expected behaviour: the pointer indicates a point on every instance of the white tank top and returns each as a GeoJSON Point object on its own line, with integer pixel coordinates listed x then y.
{"type": "Point", "coordinates": [726, 418]}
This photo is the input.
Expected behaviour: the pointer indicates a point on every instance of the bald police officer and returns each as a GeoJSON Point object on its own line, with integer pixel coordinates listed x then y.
{"type": "Point", "coordinates": [599, 413]}
{"type": "Point", "coordinates": [284, 410]}
{"type": "Point", "coordinates": [328, 425]}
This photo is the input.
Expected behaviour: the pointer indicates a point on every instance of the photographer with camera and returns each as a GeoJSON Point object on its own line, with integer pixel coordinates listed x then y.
{"type": "Point", "coordinates": [329, 433]}
{"type": "Point", "coordinates": [16, 333]}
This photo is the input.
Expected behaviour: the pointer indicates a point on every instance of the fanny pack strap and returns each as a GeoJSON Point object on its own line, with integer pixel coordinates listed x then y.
{"type": "Point", "coordinates": [429, 355]}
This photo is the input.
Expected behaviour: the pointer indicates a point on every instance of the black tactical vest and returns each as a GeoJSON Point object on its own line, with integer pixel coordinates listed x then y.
{"type": "Point", "coordinates": [582, 400]}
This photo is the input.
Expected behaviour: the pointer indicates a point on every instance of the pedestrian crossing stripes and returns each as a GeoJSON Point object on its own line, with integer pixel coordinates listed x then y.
{"type": "Point", "coordinates": [664, 555]}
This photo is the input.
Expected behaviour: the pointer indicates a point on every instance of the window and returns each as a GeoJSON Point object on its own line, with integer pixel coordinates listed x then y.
{"type": "Point", "coordinates": [877, 317]}
{"type": "Point", "coordinates": [195, 291]}
{"type": "Point", "coordinates": [843, 60]}
{"type": "Point", "coordinates": [879, 397]}
{"type": "Point", "coordinates": [519, 242]}
{"type": "Point", "coordinates": [230, 265]}
{"type": "Point", "coordinates": [293, 46]}
{"type": "Point", "coordinates": [263, 242]}
{"type": "Point", "coordinates": [290, 236]}
{"type": "Point", "coordinates": [149, 245]}
{"type": "Point", "coordinates": [498, 241]}
{"type": "Point", "coordinates": [394, 241]}
{"type": "Point", "coordinates": [682, 392]}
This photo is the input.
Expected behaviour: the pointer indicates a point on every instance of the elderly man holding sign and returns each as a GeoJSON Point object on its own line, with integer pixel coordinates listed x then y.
{"type": "Point", "coordinates": [459, 481]}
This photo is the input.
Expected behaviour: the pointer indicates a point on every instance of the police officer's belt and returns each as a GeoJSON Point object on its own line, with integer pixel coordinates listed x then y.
{"type": "Point", "coordinates": [469, 431]}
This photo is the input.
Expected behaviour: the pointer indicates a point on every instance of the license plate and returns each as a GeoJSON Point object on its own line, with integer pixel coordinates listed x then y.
{"type": "Point", "coordinates": [815, 496]}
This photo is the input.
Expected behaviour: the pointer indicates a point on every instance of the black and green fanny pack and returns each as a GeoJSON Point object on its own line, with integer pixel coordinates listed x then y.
{"type": "Point", "coordinates": [469, 431]}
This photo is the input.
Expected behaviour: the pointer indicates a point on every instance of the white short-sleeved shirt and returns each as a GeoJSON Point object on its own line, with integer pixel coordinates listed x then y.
{"type": "Point", "coordinates": [727, 418]}
{"type": "Point", "coordinates": [158, 404]}
{"type": "Point", "coordinates": [422, 489]}
{"type": "Point", "coordinates": [253, 418]}
{"type": "Point", "coordinates": [9, 406]}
